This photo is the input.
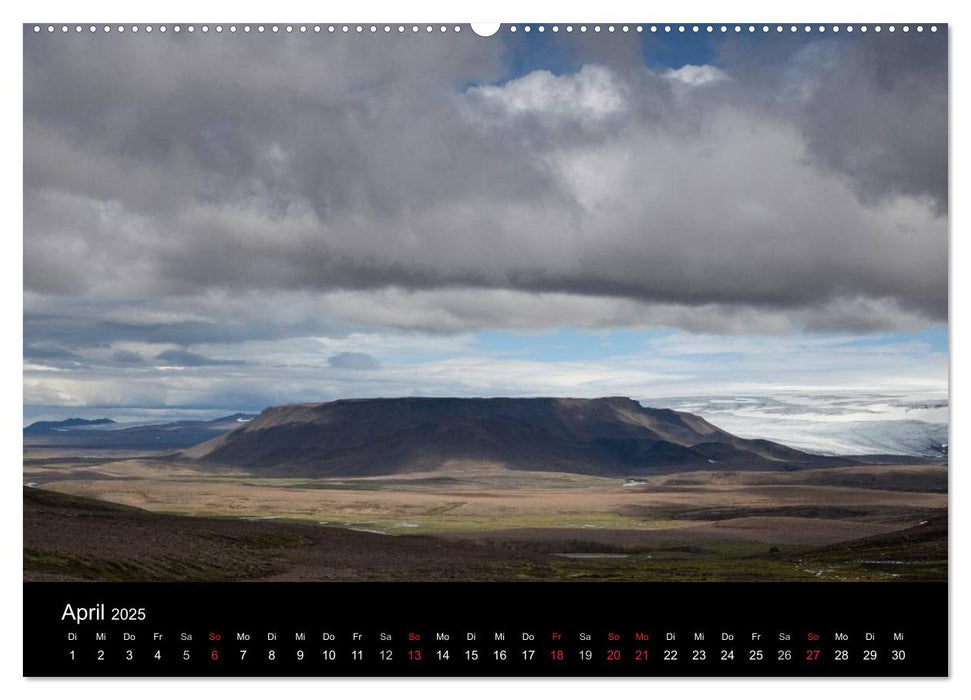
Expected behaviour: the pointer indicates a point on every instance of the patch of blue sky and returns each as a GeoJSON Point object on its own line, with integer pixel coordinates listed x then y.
{"type": "Point", "coordinates": [573, 345]}
{"type": "Point", "coordinates": [662, 50]}
{"type": "Point", "coordinates": [933, 339]}
{"type": "Point", "coordinates": [564, 53]}
{"type": "Point", "coordinates": [528, 52]}
{"type": "Point", "coordinates": [566, 344]}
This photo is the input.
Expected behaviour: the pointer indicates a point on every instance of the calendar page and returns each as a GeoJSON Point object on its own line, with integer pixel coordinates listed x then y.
{"type": "Point", "coordinates": [485, 350]}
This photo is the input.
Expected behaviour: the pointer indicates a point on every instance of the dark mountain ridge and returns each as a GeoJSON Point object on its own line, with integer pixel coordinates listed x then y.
{"type": "Point", "coordinates": [606, 436]}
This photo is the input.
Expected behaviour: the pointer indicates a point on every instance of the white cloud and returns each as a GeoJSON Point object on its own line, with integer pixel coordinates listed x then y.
{"type": "Point", "coordinates": [591, 94]}
{"type": "Point", "coordinates": [696, 76]}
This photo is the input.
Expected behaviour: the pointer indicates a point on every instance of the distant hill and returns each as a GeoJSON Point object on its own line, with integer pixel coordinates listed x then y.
{"type": "Point", "coordinates": [53, 426]}
{"type": "Point", "coordinates": [105, 433]}
{"type": "Point", "coordinates": [608, 436]}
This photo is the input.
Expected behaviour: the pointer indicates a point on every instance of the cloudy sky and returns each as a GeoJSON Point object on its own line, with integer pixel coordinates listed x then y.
{"type": "Point", "coordinates": [221, 222]}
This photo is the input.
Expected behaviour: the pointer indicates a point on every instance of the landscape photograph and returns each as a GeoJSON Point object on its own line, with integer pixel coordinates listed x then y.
{"type": "Point", "coordinates": [592, 304]}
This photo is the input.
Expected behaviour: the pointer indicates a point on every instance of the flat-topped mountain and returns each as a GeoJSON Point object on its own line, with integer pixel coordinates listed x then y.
{"type": "Point", "coordinates": [606, 436]}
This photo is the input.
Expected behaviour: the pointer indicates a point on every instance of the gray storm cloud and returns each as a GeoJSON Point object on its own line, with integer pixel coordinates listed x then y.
{"type": "Point", "coordinates": [127, 357]}
{"type": "Point", "coordinates": [184, 191]}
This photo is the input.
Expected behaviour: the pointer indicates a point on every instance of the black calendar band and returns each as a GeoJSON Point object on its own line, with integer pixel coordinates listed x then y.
{"type": "Point", "coordinates": [494, 629]}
